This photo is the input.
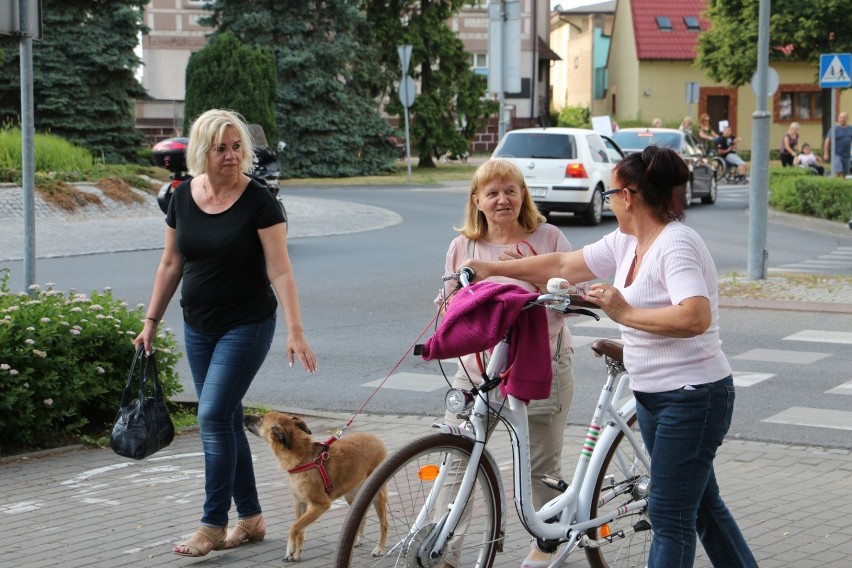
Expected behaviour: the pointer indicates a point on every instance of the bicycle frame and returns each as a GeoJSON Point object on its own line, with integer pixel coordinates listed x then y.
{"type": "Point", "coordinates": [572, 506]}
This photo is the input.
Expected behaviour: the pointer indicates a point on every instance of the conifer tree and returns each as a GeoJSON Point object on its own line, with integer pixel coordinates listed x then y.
{"type": "Point", "coordinates": [228, 74]}
{"type": "Point", "coordinates": [84, 86]}
{"type": "Point", "coordinates": [324, 111]}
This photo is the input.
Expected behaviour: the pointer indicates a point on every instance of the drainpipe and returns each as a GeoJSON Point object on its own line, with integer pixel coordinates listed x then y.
{"type": "Point", "coordinates": [534, 78]}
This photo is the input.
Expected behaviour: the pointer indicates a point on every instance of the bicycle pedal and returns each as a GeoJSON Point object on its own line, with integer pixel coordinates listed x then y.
{"type": "Point", "coordinates": [554, 483]}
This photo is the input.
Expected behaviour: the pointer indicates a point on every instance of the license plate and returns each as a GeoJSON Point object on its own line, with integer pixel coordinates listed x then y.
{"type": "Point", "coordinates": [538, 191]}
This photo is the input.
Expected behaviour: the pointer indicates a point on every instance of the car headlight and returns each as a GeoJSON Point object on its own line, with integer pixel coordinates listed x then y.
{"type": "Point", "coordinates": [458, 401]}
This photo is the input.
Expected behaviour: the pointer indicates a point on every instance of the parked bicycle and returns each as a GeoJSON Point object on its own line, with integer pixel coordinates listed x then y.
{"type": "Point", "coordinates": [445, 491]}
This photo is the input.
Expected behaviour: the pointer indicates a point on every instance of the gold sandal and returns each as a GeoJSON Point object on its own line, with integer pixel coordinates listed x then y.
{"type": "Point", "coordinates": [253, 528]}
{"type": "Point", "coordinates": [214, 535]}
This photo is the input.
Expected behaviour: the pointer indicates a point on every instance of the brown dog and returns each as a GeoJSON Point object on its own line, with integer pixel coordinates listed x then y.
{"type": "Point", "coordinates": [351, 460]}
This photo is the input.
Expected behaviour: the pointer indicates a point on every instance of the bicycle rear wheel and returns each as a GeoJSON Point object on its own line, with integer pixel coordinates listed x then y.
{"type": "Point", "coordinates": [626, 541]}
{"type": "Point", "coordinates": [409, 477]}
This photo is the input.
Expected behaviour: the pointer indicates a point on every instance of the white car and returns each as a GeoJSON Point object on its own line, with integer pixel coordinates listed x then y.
{"type": "Point", "coordinates": [566, 169]}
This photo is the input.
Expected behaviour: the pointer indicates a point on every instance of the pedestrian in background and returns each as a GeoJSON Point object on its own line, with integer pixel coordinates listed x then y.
{"type": "Point", "coordinates": [657, 123]}
{"type": "Point", "coordinates": [807, 159]}
{"type": "Point", "coordinates": [226, 239]}
{"type": "Point", "coordinates": [788, 145]}
{"type": "Point", "coordinates": [726, 147]}
{"type": "Point", "coordinates": [501, 222]}
{"type": "Point", "coordinates": [686, 126]}
{"type": "Point", "coordinates": [665, 299]}
{"type": "Point", "coordinates": [843, 141]}
{"type": "Point", "coordinates": [706, 133]}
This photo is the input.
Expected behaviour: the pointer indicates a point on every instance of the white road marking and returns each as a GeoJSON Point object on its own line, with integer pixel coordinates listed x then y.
{"type": "Point", "coordinates": [816, 417]}
{"type": "Point", "coordinates": [748, 379]}
{"type": "Point", "coordinates": [820, 336]}
{"type": "Point", "coordinates": [845, 388]}
{"type": "Point", "coordinates": [420, 382]}
{"type": "Point", "coordinates": [779, 356]}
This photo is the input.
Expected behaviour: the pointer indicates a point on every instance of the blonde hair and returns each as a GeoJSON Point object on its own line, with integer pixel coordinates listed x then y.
{"type": "Point", "coordinates": [793, 126]}
{"type": "Point", "coordinates": [208, 130]}
{"type": "Point", "coordinates": [475, 224]}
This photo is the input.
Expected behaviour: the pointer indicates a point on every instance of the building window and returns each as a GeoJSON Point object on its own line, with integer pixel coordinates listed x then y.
{"type": "Point", "coordinates": [479, 63]}
{"type": "Point", "coordinates": [691, 23]}
{"type": "Point", "coordinates": [664, 23]}
{"type": "Point", "coordinates": [801, 103]}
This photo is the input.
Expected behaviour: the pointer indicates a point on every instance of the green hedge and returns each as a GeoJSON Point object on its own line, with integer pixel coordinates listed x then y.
{"type": "Point", "coordinates": [796, 190]}
{"type": "Point", "coordinates": [64, 359]}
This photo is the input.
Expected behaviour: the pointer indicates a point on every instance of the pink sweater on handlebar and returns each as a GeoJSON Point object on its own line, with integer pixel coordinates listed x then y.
{"type": "Point", "coordinates": [478, 321]}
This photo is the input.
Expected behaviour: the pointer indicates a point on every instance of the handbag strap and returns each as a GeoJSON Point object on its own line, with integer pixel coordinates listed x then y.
{"type": "Point", "coordinates": [148, 371]}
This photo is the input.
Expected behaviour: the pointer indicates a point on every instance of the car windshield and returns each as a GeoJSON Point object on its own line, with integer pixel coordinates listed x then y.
{"type": "Point", "coordinates": [640, 140]}
{"type": "Point", "coordinates": [535, 145]}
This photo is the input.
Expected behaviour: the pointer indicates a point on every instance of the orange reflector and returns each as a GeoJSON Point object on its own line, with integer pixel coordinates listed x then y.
{"type": "Point", "coordinates": [428, 472]}
{"type": "Point", "coordinates": [604, 531]}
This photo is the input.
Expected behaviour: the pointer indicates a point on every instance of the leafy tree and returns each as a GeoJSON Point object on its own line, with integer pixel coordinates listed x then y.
{"type": "Point", "coordinates": [83, 75]}
{"type": "Point", "coordinates": [228, 74]}
{"type": "Point", "coordinates": [450, 107]}
{"type": "Point", "coordinates": [728, 51]}
{"type": "Point", "coordinates": [324, 111]}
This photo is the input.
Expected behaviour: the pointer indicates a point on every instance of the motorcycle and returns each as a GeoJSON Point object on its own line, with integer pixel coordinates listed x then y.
{"type": "Point", "coordinates": [266, 168]}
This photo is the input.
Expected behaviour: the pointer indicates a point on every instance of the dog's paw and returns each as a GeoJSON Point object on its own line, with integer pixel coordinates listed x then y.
{"type": "Point", "coordinates": [378, 551]}
{"type": "Point", "coordinates": [293, 558]}
{"type": "Point", "coordinates": [359, 540]}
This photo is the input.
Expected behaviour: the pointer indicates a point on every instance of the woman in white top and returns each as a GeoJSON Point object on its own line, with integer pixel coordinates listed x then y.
{"type": "Point", "coordinates": [501, 222]}
{"type": "Point", "coordinates": [664, 297]}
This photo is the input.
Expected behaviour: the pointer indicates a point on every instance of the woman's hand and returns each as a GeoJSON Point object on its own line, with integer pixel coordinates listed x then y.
{"type": "Point", "coordinates": [297, 347]}
{"type": "Point", "coordinates": [146, 337]}
{"type": "Point", "coordinates": [609, 299]}
{"type": "Point", "coordinates": [479, 267]}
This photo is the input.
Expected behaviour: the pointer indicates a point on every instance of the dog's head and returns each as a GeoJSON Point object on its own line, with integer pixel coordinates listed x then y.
{"type": "Point", "coordinates": [275, 427]}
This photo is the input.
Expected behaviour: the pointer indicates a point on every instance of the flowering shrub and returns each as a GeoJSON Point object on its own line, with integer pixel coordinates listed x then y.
{"type": "Point", "coordinates": [64, 359]}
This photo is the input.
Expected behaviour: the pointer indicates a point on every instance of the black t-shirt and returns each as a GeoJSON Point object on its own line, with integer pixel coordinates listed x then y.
{"type": "Point", "coordinates": [224, 271]}
{"type": "Point", "coordinates": [725, 142]}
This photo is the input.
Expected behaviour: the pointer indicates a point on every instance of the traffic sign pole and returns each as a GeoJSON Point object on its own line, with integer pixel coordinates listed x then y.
{"type": "Point", "coordinates": [406, 97]}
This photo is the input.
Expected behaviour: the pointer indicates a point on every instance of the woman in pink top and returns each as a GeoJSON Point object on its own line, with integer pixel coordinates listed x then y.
{"type": "Point", "coordinates": [664, 296]}
{"type": "Point", "coordinates": [501, 222]}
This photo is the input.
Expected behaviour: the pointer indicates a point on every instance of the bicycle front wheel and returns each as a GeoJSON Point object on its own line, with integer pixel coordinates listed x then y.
{"type": "Point", "coordinates": [419, 482]}
{"type": "Point", "coordinates": [626, 541]}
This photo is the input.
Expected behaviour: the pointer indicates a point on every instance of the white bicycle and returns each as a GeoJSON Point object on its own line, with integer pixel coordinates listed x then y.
{"type": "Point", "coordinates": [445, 493]}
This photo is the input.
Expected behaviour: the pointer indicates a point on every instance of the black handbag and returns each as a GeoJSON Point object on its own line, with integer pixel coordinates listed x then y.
{"type": "Point", "coordinates": [143, 425]}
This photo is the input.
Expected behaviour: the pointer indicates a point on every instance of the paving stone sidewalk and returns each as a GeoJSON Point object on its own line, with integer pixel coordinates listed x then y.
{"type": "Point", "coordinates": [89, 507]}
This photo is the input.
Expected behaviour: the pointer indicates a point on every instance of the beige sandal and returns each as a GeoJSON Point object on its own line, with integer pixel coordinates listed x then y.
{"type": "Point", "coordinates": [214, 535]}
{"type": "Point", "coordinates": [253, 529]}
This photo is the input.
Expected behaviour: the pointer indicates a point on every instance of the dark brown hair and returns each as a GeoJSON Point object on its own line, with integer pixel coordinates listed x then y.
{"type": "Point", "coordinates": [660, 176]}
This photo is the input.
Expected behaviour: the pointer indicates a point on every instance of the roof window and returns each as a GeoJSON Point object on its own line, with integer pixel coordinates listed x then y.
{"type": "Point", "coordinates": [664, 23]}
{"type": "Point", "coordinates": [691, 23]}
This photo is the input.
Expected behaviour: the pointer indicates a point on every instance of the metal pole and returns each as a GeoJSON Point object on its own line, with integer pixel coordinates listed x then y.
{"type": "Point", "coordinates": [759, 194]}
{"type": "Point", "coordinates": [833, 129]}
{"type": "Point", "coordinates": [501, 96]}
{"type": "Point", "coordinates": [27, 144]}
{"type": "Point", "coordinates": [407, 135]}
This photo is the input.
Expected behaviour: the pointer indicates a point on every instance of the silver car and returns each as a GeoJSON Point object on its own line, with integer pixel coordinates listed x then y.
{"type": "Point", "coordinates": [565, 169]}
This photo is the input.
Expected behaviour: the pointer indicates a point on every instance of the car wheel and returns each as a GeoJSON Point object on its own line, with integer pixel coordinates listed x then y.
{"type": "Point", "coordinates": [594, 212]}
{"type": "Point", "coordinates": [687, 193]}
{"type": "Point", "coordinates": [710, 198]}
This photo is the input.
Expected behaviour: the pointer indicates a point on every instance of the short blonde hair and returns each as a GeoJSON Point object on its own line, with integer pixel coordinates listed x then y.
{"type": "Point", "coordinates": [475, 224]}
{"type": "Point", "coordinates": [208, 130]}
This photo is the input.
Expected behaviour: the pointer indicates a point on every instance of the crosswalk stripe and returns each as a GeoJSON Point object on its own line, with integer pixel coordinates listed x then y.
{"type": "Point", "coordinates": [749, 379]}
{"type": "Point", "coordinates": [845, 388]}
{"type": "Point", "coordinates": [779, 356]}
{"type": "Point", "coordinates": [816, 417]}
{"type": "Point", "coordinates": [820, 336]}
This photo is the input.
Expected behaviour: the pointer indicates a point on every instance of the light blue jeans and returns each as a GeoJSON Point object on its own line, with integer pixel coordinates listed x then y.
{"type": "Point", "coordinates": [682, 430]}
{"type": "Point", "coordinates": [223, 366]}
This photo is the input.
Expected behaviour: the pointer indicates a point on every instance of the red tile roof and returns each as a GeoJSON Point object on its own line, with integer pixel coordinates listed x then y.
{"type": "Point", "coordinates": [678, 43]}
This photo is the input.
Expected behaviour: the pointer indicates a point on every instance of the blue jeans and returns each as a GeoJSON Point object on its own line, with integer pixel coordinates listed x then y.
{"type": "Point", "coordinates": [682, 430]}
{"type": "Point", "coordinates": [223, 366]}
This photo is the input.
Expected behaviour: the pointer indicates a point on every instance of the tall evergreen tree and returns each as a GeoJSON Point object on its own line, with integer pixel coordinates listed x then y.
{"type": "Point", "coordinates": [451, 105]}
{"type": "Point", "coordinates": [228, 74]}
{"type": "Point", "coordinates": [324, 111]}
{"type": "Point", "coordinates": [83, 75]}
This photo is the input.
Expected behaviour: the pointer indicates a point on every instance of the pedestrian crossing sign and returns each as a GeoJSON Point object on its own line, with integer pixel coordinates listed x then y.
{"type": "Point", "coordinates": [834, 70]}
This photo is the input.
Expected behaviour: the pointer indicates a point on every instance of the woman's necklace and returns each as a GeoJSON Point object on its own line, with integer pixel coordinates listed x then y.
{"type": "Point", "coordinates": [224, 197]}
{"type": "Point", "coordinates": [647, 243]}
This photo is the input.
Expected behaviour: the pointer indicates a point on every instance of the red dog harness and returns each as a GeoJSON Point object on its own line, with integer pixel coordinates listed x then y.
{"type": "Point", "coordinates": [317, 463]}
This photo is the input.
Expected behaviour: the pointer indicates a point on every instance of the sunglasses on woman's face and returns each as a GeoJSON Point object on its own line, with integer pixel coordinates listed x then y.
{"type": "Point", "coordinates": [606, 194]}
